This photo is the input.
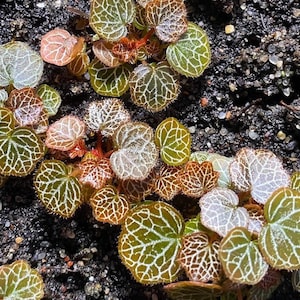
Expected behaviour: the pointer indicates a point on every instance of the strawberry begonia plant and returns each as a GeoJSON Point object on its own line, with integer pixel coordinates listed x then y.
{"type": "Point", "coordinates": [142, 47]}
{"type": "Point", "coordinates": [242, 226]}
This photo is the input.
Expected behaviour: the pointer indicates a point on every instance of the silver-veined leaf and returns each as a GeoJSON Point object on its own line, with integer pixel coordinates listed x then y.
{"type": "Point", "coordinates": [150, 241]}
{"type": "Point", "coordinates": [190, 55]}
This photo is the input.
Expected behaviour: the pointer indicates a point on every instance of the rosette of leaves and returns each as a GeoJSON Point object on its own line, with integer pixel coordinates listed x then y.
{"type": "Point", "coordinates": [20, 147]}
{"type": "Point", "coordinates": [147, 30]}
{"type": "Point", "coordinates": [246, 257]}
{"type": "Point", "coordinates": [19, 281]}
{"type": "Point", "coordinates": [149, 242]}
{"type": "Point", "coordinates": [20, 66]}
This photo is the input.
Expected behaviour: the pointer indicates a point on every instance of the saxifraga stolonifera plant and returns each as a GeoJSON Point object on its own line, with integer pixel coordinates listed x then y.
{"type": "Point", "coordinates": [243, 228]}
{"type": "Point", "coordinates": [142, 46]}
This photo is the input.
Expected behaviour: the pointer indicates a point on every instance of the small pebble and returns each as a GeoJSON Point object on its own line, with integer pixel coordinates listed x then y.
{"type": "Point", "coordinates": [19, 240]}
{"type": "Point", "coordinates": [281, 135]}
{"type": "Point", "coordinates": [192, 129]}
{"type": "Point", "coordinates": [253, 135]}
{"type": "Point", "coordinates": [222, 115]}
{"type": "Point", "coordinates": [41, 4]}
{"type": "Point", "coordinates": [273, 59]}
{"type": "Point", "coordinates": [229, 29]}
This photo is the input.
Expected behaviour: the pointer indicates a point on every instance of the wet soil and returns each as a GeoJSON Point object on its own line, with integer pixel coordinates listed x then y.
{"type": "Point", "coordinates": [248, 97]}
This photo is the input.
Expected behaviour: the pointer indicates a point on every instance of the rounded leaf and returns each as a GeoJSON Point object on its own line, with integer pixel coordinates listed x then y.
{"type": "Point", "coordinates": [79, 65]}
{"type": "Point", "coordinates": [259, 172]}
{"type": "Point", "coordinates": [190, 55]}
{"type": "Point", "coordinates": [199, 257]}
{"type": "Point", "coordinates": [51, 99]}
{"type": "Point", "coordinates": [197, 179]}
{"type": "Point", "coordinates": [136, 153]}
{"type": "Point", "coordinates": [109, 19]}
{"type": "Point", "coordinates": [95, 171]}
{"type": "Point", "coordinates": [106, 81]}
{"type": "Point", "coordinates": [220, 211]}
{"type": "Point", "coordinates": [26, 106]}
{"type": "Point", "coordinates": [20, 148]}
{"type": "Point", "coordinates": [166, 182]}
{"type": "Point", "coordinates": [240, 257]}
{"type": "Point", "coordinates": [18, 281]}
{"type": "Point", "coordinates": [279, 240]}
{"type": "Point", "coordinates": [154, 86]}
{"type": "Point", "coordinates": [106, 116]}
{"type": "Point", "coordinates": [168, 17]}
{"type": "Point", "coordinates": [59, 47]}
{"type": "Point", "coordinates": [109, 206]}
{"type": "Point", "coordinates": [57, 189]}
{"type": "Point", "coordinates": [19, 65]}
{"type": "Point", "coordinates": [65, 133]}
{"type": "Point", "coordinates": [150, 241]}
{"type": "Point", "coordinates": [174, 142]}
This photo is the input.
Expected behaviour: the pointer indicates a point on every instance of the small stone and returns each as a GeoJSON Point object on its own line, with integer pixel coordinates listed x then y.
{"type": "Point", "coordinates": [281, 135]}
{"type": "Point", "coordinates": [279, 64]}
{"type": "Point", "coordinates": [229, 29]}
{"type": "Point", "coordinates": [232, 87]}
{"type": "Point", "coordinates": [222, 115]}
{"type": "Point", "coordinates": [273, 59]}
{"type": "Point", "coordinates": [296, 12]}
{"type": "Point", "coordinates": [192, 129]}
{"type": "Point", "coordinates": [253, 135]}
{"type": "Point", "coordinates": [286, 92]}
{"type": "Point", "coordinates": [19, 240]}
{"type": "Point", "coordinates": [41, 4]}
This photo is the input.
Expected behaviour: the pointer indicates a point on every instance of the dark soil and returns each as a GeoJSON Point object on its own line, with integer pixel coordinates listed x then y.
{"type": "Point", "coordinates": [253, 92]}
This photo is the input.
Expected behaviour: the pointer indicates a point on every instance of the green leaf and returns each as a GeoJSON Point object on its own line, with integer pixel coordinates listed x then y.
{"type": "Point", "coordinates": [149, 242]}
{"type": "Point", "coordinates": [279, 240]}
{"type": "Point", "coordinates": [154, 86]}
{"type": "Point", "coordinates": [193, 290]}
{"type": "Point", "coordinates": [190, 55]}
{"type": "Point", "coordinates": [108, 81]}
{"type": "Point", "coordinates": [20, 148]}
{"type": "Point", "coordinates": [194, 225]}
{"type": "Point", "coordinates": [295, 181]}
{"type": "Point", "coordinates": [174, 141]}
{"type": "Point", "coordinates": [50, 97]}
{"type": "Point", "coordinates": [18, 282]}
{"type": "Point", "coordinates": [19, 65]}
{"type": "Point", "coordinates": [109, 19]}
{"type": "Point", "coordinates": [57, 188]}
{"type": "Point", "coordinates": [240, 257]}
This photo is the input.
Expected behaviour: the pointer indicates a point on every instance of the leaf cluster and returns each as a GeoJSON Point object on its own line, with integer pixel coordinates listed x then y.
{"type": "Point", "coordinates": [142, 47]}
